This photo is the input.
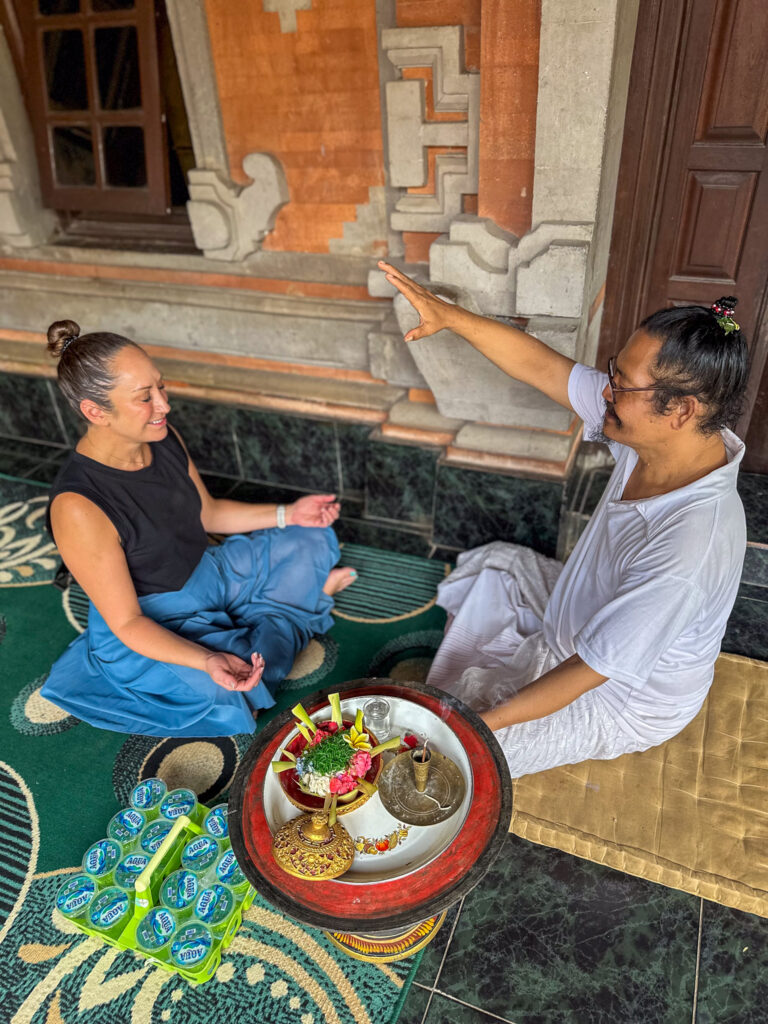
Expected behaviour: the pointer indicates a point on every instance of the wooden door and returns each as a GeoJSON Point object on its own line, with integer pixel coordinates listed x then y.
{"type": "Point", "coordinates": [692, 204]}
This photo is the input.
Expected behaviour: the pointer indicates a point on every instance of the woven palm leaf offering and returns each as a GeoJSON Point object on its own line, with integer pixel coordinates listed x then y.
{"type": "Point", "coordinates": [333, 764]}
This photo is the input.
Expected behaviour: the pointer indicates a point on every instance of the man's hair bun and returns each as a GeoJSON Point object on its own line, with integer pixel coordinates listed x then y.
{"type": "Point", "coordinates": [61, 333]}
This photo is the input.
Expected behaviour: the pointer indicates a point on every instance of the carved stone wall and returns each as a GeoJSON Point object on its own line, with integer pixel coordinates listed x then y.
{"type": "Point", "coordinates": [541, 276]}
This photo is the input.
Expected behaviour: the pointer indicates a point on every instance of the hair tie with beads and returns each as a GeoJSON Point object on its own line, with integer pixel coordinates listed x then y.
{"type": "Point", "coordinates": [724, 309]}
{"type": "Point", "coordinates": [67, 342]}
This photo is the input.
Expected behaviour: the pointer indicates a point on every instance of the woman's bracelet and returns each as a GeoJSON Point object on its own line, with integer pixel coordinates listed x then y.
{"type": "Point", "coordinates": [281, 517]}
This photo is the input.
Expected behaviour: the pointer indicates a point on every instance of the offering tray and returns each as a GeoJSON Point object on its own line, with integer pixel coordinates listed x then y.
{"type": "Point", "coordinates": [387, 847]}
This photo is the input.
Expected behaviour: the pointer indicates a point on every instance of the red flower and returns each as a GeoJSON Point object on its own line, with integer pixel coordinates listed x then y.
{"type": "Point", "coordinates": [410, 741]}
{"type": "Point", "coordinates": [323, 732]}
{"type": "Point", "coordinates": [343, 783]}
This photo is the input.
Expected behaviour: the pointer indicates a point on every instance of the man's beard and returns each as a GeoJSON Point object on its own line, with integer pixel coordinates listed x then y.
{"type": "Point", "coordinates": [597, 433]}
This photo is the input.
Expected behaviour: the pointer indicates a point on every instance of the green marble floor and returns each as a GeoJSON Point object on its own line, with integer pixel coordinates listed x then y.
{"type": "Point", "coordinates": [547, 938]}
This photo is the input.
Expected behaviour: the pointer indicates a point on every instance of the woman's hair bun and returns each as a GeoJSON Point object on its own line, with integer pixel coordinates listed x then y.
{"type": "Point", "coordinates": [61, 333]}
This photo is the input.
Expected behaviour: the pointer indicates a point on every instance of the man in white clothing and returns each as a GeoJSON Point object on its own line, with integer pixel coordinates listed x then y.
{"type": "Point", "coordinates": [615, 652]}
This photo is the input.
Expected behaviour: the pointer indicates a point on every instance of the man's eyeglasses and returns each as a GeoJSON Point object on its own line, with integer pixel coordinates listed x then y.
{"type": "Point", "coordinates": [614, 388]}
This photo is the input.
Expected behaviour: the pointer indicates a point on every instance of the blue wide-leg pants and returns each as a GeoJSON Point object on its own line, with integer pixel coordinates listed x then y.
{"type": "Point", "coordinates": [261, 592]}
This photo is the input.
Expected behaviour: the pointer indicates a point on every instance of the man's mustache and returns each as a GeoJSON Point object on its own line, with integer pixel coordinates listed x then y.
{"type": "Point", "coordinates": [609, 407]}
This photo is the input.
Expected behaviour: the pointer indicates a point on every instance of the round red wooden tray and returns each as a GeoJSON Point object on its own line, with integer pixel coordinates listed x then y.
{"type": "Point", "coordinates": [379, 906]}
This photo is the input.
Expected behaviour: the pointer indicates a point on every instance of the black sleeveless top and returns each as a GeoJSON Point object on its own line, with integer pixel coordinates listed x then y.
{"type": "Point", "coordinates": [155, 510]}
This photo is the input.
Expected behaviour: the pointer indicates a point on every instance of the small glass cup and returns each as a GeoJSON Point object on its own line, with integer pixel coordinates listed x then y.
{"type": "Point", "coordinates": [376, 716]}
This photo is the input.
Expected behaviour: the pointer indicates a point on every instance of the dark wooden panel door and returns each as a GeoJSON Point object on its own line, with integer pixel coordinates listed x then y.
{"type": "Point", "coordinates": [696, 174]}
{"type": "Point", "coordinates": [714, 208]}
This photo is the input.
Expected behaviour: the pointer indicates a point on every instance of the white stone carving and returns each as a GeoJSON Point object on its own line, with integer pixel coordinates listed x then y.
{"type": "Point", "coordinates": [410, 134]}
{"type": "Point", "coordinates": [286, 9]}
{"type": "Point", "coordinates": [541, 273]}
{"type": "Point", "coordinates": [230, 222]}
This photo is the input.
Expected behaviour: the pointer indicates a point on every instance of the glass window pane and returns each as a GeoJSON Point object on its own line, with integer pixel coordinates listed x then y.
{"type": "Point", "coordinates": [64, 62]}
{"type": "Point", "coordinates": [111, 5]}
{"type": "Point", "coordinates": [58, 6]}
{"type": "Point", "coordinates": [73, 155]}
{"type": "Point", "coordinates": [124, 161]}
{"type": "Point", "coordinates": [117, 64]}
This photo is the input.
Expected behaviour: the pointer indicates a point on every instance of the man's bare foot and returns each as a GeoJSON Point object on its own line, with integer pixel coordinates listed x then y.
{"type": "Point", "coordinates": [339, 579]}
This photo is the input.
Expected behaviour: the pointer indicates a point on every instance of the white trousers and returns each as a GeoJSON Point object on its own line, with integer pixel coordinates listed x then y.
{"type": "Point", "coordinates": [494, 646]}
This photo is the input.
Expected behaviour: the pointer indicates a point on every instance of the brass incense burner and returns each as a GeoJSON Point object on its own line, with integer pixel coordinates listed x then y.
{"type": "Point", "coordinates": [309, 847]}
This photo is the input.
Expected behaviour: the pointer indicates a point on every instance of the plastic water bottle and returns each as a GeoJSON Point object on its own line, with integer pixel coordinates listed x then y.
{"type": "Point", "coordinates": [101, 859]}
{"type": "Point", "coordinates": [129, 869]}
{"type": "Point", "coordinates": [216, 824]}
{"type": "Point", "coordinates": [155, 931]}
{"type": "Point", "coordinates": [153, 835]}
{"type": "Point", "coordinates": [178, 802]}
{"type": "Point", "coordinates": [230, 873]}
{"type": "Point", "coordinates": [215, 906]}
{"type": "Point", "coordinates": [200, 854]}
{"type": "Point", "coordinates": [147, 797]}
{"type": "Point", "coordinates": [111, 910]}
{"type": "Point", "coordinates": [179, 892]}
{"type": "Point", "coordinates": [191, 946]}
{"type": "Point", "coordinates": [126, 827]}
{"type": "Point", "coordinates": [76, 895]}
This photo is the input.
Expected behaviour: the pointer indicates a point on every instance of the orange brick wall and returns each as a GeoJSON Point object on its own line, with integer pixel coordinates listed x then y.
{"type": "Point", "coordinates": [311, 98]}
{"type": "Point", "coordinates": [509, 93]}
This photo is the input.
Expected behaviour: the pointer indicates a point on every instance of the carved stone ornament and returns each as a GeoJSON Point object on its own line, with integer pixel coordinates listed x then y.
{"type": "Point", "coordinates": [411, 135]}
{"type": "Point", "coordinates": [229, 221]}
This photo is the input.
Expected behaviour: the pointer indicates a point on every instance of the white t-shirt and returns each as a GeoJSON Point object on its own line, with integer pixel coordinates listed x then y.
{"type": "Point", "coordinates": [646, 594]}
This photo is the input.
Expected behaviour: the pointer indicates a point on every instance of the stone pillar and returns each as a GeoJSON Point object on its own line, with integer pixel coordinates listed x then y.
{"type": "Point", "coordinates": [24, 221]}
{"type": "Point", "coordinates": [229, 221]}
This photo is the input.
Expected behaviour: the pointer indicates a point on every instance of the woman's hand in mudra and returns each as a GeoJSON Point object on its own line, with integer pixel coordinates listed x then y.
{"type": "Point", "coordinates": [313, 510]}
{"type": "Point", "coordinates": [232, 672]}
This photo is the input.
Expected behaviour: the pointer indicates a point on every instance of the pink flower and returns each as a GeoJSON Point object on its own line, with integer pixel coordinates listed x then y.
{"type": "Point", "coordinates": [343, 783]}
{"type": "Point", "coordinates": [360, 763]}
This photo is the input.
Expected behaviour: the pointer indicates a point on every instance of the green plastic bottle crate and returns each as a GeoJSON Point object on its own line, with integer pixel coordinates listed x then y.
{"type": "Point", "coordinates": [147, 889]}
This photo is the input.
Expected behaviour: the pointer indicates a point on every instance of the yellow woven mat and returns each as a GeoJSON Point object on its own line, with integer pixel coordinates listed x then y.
{"type": "Point", "coordinates": [691, 814]}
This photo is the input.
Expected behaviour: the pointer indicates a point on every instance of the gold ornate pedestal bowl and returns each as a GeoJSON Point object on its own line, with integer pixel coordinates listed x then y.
{"type": "Point", "coordinates": [308, 847]}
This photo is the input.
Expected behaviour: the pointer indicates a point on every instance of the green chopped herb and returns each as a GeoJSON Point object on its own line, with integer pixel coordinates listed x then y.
{"type": "Point", "coordinates": [331, 755]}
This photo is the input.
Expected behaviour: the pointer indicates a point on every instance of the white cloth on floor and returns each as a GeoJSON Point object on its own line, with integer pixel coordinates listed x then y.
{"type": "Point", "coordinates": [643, 600]}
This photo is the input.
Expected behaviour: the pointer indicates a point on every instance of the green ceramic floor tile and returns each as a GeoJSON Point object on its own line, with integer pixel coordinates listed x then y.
{"type": "Point", "coordinates": [435, 951]}
{"type": "Point", "coordinates": [415, 1005]}
{"type": "Point", "coordinates": [733, 983]}
{"type": "Point", "coordinates": [447, 1011]}
{"type": "Point", "coordinates": [551, 939]}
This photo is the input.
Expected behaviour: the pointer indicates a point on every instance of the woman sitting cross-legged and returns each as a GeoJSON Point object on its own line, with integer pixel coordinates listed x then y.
{"type": "Point", "coordinates": [175, 624]}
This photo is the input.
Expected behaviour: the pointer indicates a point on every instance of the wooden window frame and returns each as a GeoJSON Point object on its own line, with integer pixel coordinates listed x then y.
{"type": "Point", "coordinates": [153, 198]}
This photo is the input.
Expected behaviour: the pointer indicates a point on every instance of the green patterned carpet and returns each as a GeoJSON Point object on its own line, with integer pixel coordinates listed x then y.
{"type": "Point", "coordinates": [61, 781]}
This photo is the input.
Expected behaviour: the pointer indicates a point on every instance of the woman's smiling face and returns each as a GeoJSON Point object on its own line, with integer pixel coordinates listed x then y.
{"type": "Point", "coordinates": [139, 403]}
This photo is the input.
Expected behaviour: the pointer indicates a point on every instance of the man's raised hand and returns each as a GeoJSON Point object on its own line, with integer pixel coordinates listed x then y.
{"type": "Point", "coordinates": [434, 312]}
